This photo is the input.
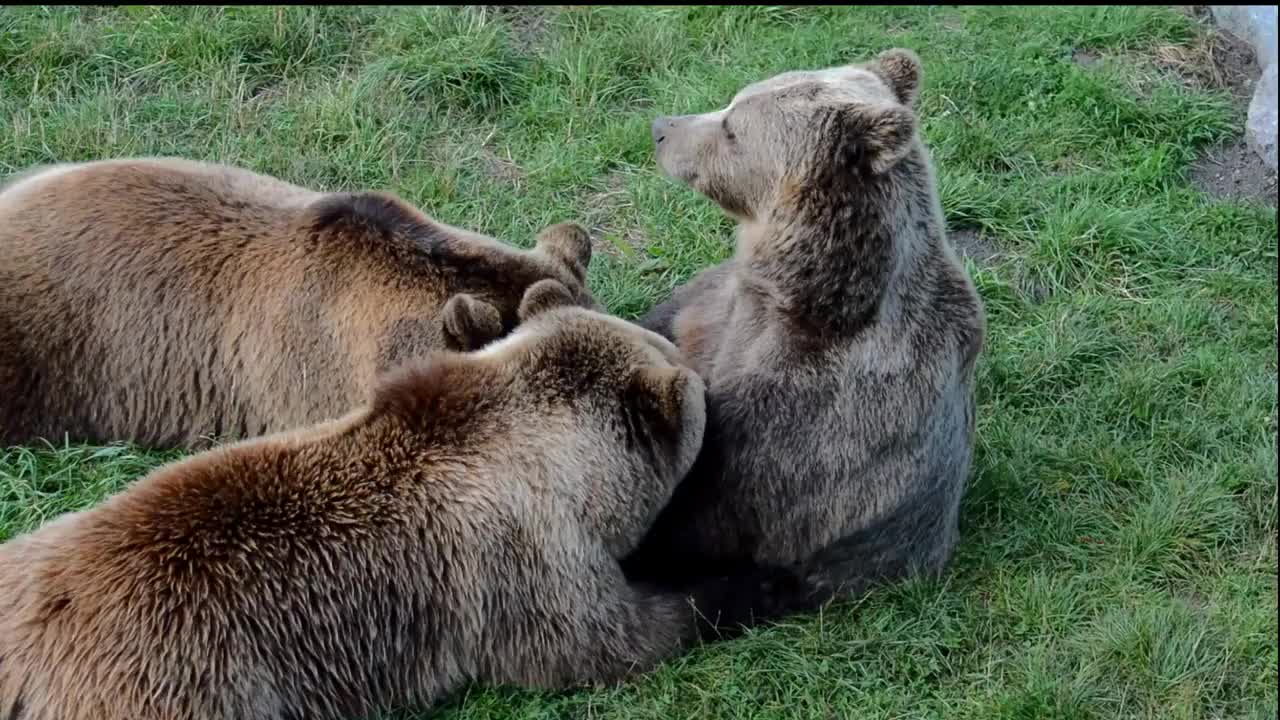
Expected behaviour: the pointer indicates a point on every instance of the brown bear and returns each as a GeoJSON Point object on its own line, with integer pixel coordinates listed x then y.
{"type": "Point", "coordinates": [165, 301]}
{"type": "Point", "coordinates": [838, 344]}
{"type": "Point", "coordinates": [464, 526]}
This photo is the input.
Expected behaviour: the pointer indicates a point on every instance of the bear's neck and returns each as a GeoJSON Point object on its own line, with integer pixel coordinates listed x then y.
{"type": "Point", "coordinates": [832, 248]}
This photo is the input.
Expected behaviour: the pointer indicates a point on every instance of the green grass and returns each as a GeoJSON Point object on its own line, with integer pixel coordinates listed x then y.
{"type": "Point", "coordinates": [1119, 539]}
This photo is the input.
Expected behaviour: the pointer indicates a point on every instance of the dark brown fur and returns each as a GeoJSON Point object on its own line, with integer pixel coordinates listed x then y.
{"type": "Point", "coordinates": [164, 301]}
{"type": "Point", "coordinates": [838, 345]}
{"type": "Point", "coordinates": [462, 527]}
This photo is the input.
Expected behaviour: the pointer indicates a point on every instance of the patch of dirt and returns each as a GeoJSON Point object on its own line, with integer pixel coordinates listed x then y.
{"type": "Point", "coordinates": [1035, 291]}
{"type": "Point", "coordinates": [269, 92]}
{"type": "Point", "coordinates": [476, 152]}
{"type": "Point", "coordinates": [1235, 172]}
{"type": "Point", "coordinates": [986, 252]}
{"type": "Point", "coordinates": [602, 210]}
{"type": "Point", "coordinates": [1085, 58]}
{"type": "Point", "coordinates": [970, 243]}
{"type": "Point", "coordinates": [498, 167]}
{"type": "Point", "coordinates": [1219, 60]}
{"type": "Point", "coordinates": [1215, 60]}
{"type": "Point", "coordinates": [953, 22]}
{"type": "Point", "coordinates": [529, 23]}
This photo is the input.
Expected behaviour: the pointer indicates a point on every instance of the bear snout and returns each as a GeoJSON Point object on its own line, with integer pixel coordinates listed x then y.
{"type": "Point", "coordinates": [660, 127]}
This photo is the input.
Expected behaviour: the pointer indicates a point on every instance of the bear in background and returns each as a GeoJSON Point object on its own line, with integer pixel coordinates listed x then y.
{"type": "Point", "coordinates": [838, 345]}
{"type": "Point", "coordinates": [166, 302]}
{"type": "Point", "coordinates": [464, 526]}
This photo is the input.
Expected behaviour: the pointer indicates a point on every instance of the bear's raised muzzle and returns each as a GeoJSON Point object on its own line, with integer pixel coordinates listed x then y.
{"type": "Point", "coordinates": [660, 127]}
{"type": "Point", "coordinates": [663, 126]}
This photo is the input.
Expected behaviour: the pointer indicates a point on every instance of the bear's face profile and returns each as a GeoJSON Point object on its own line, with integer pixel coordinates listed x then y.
{"type": "Point", "coordinates": [793, 128]}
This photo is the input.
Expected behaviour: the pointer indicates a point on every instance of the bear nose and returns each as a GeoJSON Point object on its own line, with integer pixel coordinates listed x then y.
{"type": "Point", "coordinates": [660, 127]}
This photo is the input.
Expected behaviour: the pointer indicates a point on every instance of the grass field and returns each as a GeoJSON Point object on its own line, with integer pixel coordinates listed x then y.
{"type": "Point", "coordinates": [1119, 539]}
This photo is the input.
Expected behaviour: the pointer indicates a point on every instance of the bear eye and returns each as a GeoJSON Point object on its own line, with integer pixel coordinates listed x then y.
{"type": "Point", "coordinates": [724, 124]}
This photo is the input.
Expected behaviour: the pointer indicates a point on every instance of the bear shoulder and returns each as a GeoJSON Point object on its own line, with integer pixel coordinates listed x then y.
{"type": "Point", "coordinates": [372, 218]}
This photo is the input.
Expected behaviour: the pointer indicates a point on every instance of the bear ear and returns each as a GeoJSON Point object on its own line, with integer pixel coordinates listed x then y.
{"type": "Point", "coordinates": [542, 296]}
{"type": "Point", "coordinates": [469, 323]}
{"type": "Point", "coordinates": [674, 398]}
{"type": "Point", "coordinates": [569, 243]}
{"type": "Point", "coordinates": [882, 134]}
{"type": "Point", "coordinates": [901, 70]}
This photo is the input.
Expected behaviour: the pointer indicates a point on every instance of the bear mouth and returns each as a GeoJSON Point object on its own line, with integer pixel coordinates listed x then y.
{"type": "Point", "coordinates": [678, 169]}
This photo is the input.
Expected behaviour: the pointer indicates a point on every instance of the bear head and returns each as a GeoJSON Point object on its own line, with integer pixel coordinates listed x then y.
{"type": "Point", "coordinates": [850, 121]}
{"type": "Point", "coordinates": [608, 411]}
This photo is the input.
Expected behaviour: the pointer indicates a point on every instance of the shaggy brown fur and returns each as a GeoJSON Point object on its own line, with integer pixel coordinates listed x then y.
{"type": "Point", "coordinates": [164, 301]}
{"type": "Point", "coordinates": [838, 345]}
{"type": "Point", "coordinates": [463, 527]}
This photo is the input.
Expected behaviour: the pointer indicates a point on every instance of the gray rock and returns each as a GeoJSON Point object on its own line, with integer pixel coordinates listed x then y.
{"type": "Point", "coordinates": [1260, 130]}
{"type": "Point", "coordinates": [1255, 24]}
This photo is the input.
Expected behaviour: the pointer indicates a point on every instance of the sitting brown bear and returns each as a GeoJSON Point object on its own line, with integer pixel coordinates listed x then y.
{"type": "Point", "coordinates": [165, 301]}
{"type": "Point", "coordinates": [464, 526]}
{"type": "Point", "coordinates": [838, 345]}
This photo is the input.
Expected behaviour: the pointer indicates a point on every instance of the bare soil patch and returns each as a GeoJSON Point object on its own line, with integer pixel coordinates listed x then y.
{"type": "Point", "coordinates": [1231, 171]}
{"type": "Point", "coordinates": [529, 23]}
{"type": "Point", "coordinates": [1235, 172]}
{"type": "Point", "coordinates": [971, 243]}
{"type": "Point", "coordinates": [602, 213]}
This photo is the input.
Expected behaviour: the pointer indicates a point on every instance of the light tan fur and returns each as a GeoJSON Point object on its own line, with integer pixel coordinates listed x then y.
{"type": "Point", "coordinates": [166, 301]}
{"type": "Point", "coordinates": [838, 344]}
{"type": "Point", "coordinates": [463, 526]}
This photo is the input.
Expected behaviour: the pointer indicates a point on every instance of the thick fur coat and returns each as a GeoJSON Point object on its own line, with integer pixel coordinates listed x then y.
{"type": "Point", "coordinates": [464, 526]}
{"type": "Point", "coordinates": [838, 344]}
{"type": "Point", "coordinates": [166, 302]}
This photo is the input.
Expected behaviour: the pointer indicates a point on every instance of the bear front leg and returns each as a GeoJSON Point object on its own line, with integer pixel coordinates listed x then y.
{"type": "Point", "coordinates": [593, 627]}
{"type": "Point", "coordinates": [699, 290]}
{"type": "Point", "coordinates": [570, 244]}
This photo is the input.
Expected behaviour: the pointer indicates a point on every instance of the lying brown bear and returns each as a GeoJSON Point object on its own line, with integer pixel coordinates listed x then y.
{"type": "Point", "coordinates": [464, 526]}
{"type": "Point", "coordinates": [165, 301]}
